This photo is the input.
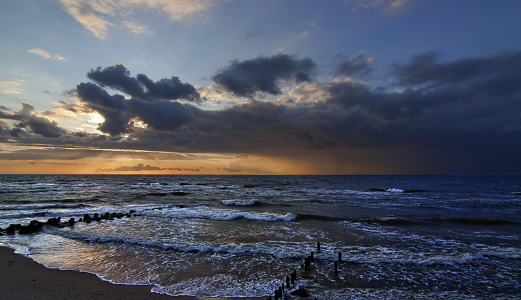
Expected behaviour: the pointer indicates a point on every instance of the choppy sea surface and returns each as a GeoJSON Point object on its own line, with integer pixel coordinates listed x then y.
{"type": "Point", "coordinates": [401, 237]}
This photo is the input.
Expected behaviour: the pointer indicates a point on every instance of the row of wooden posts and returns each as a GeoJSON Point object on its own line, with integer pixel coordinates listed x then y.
{"type": "Point", "coordinates": [279, 293]}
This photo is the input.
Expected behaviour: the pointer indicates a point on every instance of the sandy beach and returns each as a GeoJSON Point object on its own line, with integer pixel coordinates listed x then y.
{"type": "Point", "coordinates": [22, 278]}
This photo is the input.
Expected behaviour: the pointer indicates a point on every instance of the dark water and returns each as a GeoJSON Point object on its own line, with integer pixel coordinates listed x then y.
{"type": "Point", "coordinates": [402, 237]}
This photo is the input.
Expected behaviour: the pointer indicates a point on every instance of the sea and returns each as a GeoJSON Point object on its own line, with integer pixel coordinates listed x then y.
{"type": "Point", "coordinates": [400, 237]}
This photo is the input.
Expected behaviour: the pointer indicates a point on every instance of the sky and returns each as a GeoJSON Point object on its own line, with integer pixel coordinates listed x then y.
{"type": "Point", "coordinates": [260, 87]}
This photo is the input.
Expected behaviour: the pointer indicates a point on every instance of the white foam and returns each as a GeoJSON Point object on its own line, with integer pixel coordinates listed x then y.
{"type": "Point", "coordinates": [239, 202]}
{"type": "Point", "coordinates": [204, 212]}
{"type": "Point", "coordinates": [220, 285]}
{"type": "Point", "coordinates": [393, 190]}
{"type": "Point", "coordinates": [179, 243]}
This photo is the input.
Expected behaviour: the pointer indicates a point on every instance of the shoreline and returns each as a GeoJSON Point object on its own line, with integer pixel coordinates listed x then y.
{"type": "Point", "coordinates": [27, 279]}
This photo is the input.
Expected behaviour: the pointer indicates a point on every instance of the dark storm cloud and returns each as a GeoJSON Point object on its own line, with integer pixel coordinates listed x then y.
{"type": "Point", "coordinates": [467, 109]}
{"type": "Point", "coordinates": [262, 74]}
{"type": "Point", "coordinates": [60, 153]}
{"type": "Point", "coordinates": [163, 115]}
{"type": "Point", "coordinates": [358, 66]}
{"type": "Point", "coordinates": [98, 98]}
{"type": "Point", "coordinates": [51, 153]}
{"type": "Point", "coordinates": [119, 112]}
{"type": "Point", "coordinates": [114, 109]}
{"type": "Point", "coordinates": [459, 116]}
{"type": "Point", "coordinates": [16, 132]}
{"type": "Point", "coordinates": [80, 134]}
{"type": "Point", "coordinates": [496, 71]}
{"type": "Point", "coordinates": [3, 126]}
{"type": "Point", "coordinates": [141, 87]}
{"type": "Point", "coordinates": [38, 125]}
{"type": "Point", "coordinates": [468, 105]}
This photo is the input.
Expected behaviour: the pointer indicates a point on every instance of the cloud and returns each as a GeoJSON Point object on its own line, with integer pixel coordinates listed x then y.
{"type": "Point", "coordinates": [45, 55]}
{"type": "Point", "coordinates": [183, 169]}
{"type": "Point", "coordinates": [304, 34]}
{"type": "Point", "coordinates": [228, 170]}
{"type": "Point", "coordinates": [439, 100]}
{"type": "Point", "coordinates": [139, 167]}
{"type": "Point", "coordinates": [457, 116]}
{"type": "Point", "coordinates": [136, 28]}
{"type": "Point", "coordinates": [141, 87]}
{"type": "Point", "coordinates": [474, 73]}
{"type": "Point", "coordinates": [358, 66]}
{"type": "Point", "coordinates": [114, 109]}
{"type": "Point", "coordinates": [39, 125]}
{"type": "Point", "coordinates": [310, 26]}
{"type": "Point", "coordinates": [93, 14]}
{"type": "Point", "coordinates": [119, 113]}
{"type": "Point", "coordinates": [386, 6]}
{"type": "Point", "coordinates": [60, 153]}
{"type": "Point", "coordinates": [263, 73]}
{"type": "Point", "coordinates": [86, 13]}
{"type": "Point", "coordinates": [51, 154]}
{"type": "Point", "coordinates": [16, 132]}
{"type": "Point", "coordinates": [142, 167]}
{"type": "Point", "coordinates": [214, 93]}
{"type": "Point", "coordinates": [12, 87]}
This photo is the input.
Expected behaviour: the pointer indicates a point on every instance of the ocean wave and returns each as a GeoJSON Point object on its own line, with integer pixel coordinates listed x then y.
{"type": "Point", "coordinates": [204, 212]}
{"type": "Point", "coordinates": [280, 250]}
{"type": "Point", "coordinates": [306, 217]}
{"type": "Point", "coordinates": [396, 190]}
{"type": "Point", "coordinates": [474, 221]}
{"type": "Point", "coordinates": [373, 255]}
{"type": "Point", "coordinates": [82, 185]}
{"type": "Point", "coordinates": [393, 221]}
{"type": "Point", "coordinates": [240, 202]}
{"type": "Point", "coordinates": [20, 216]}
{"type": "Point", "coordinates": [48, 206]}
{"type": "Point", "coordinates": [220, 285]}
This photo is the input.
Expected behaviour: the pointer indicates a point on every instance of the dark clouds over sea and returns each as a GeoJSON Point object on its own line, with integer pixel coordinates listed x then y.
{"type": "Point", "coordinates": [459, 116]}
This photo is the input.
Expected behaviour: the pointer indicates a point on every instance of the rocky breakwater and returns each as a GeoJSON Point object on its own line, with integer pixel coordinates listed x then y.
{"type": "Point", "coordinates": [36, 226]}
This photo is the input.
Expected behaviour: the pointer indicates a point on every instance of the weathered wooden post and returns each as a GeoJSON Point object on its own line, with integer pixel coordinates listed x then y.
{"type": "Point", "coordinates": [276, 294]}
{"type": "Point", "coordinates": [318, 246]}
{"type": "Point", "coordinates": [287, 282]}
{"type": "Point", "coordinates": [339, 257]}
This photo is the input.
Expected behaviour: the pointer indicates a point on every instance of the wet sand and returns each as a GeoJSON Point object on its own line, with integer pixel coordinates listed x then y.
{"type": "Point", "coordinates": [24, 278]}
